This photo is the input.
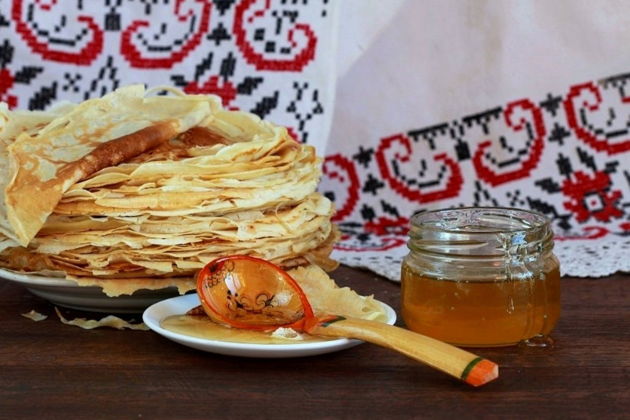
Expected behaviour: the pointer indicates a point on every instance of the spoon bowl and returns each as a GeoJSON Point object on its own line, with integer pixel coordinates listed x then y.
{"type": "Point", "coordinates": [250, 293]}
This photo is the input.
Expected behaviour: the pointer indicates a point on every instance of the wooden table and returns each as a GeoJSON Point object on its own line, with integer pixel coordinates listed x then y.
{"type": "Point", "coordinates": [51, 370]}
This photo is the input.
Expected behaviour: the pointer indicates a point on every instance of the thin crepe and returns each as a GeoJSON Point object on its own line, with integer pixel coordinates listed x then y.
{"type": "Point", "coordinates": [117, 247]}
{"type": "Point", "coordinates": [42, 166]}
{"type": "Point", "coordinates": [149, 208]}
{"type": "Point", "coordinates": [12, 124]}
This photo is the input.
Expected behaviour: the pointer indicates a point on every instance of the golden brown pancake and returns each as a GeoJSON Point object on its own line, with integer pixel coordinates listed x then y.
{"type": "Point", "coordinates": [95, 134]}
{"type": "Point", "coordinates": [126, 201]}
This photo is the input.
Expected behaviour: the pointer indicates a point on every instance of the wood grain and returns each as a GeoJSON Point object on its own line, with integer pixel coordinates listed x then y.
{"type": "Point", "coordinates": [51, 370]}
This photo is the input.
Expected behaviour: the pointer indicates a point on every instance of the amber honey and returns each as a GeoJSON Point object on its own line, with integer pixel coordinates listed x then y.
{"type": "Point", "coordinates": [481, 313]}
{"type": "Point", "coordinates": [203, 327]}
{"type": "Point", "coordinates": [481, 277]}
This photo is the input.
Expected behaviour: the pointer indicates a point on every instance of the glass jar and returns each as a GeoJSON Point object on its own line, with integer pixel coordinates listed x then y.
{"type": "Point", "coordinates": [481, 277]}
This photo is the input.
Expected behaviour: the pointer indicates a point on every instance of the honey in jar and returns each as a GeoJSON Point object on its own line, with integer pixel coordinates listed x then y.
{"type": "Point", "coordinates": [481, 277]}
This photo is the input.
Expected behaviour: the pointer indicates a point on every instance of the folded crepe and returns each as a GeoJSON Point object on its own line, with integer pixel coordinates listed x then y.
{"type": "Point", "coordinates": [132, 191]}
{"type": "Point", "coordinates": [91, 136]}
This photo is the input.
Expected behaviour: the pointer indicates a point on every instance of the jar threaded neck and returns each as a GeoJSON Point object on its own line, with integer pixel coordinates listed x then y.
{"type": "Point", "coordinates": [473, 232]}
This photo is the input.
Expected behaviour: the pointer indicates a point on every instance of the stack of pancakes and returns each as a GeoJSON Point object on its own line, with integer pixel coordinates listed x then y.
{"type": "Point", "coordinates": [135, 191]}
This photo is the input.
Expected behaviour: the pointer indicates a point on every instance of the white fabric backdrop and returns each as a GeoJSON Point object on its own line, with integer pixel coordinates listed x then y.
{"type": "Point", "coordinates": [408, 66]}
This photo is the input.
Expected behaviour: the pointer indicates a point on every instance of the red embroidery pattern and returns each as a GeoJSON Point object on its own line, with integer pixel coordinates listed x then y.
{"type": "Point", "coordinates": [226, 90]}
{"type": "Point", "coordinates": [341, 170]}
{"type": "Point", "coordinates": [293, 134]}
{"type": "Point", "coordinates": [46, 5]}
{"type": "Point", "coordinates": [296, 62]}
{"type": "Point", "coordinates": [6, 83]}
{"type": "Point", "coordinates": [590, 232]}
{"type": "Point", "coordinates": [380, 243]}
{"type": "Point", "coordinates": [10, 77]}
{"type": "Point", "coordinates": [186, 43]}
{"type": "Point", "coordinates": [450, 189]}
{"type": "Point", "coordinates": [492, 176]}
{"type": "Point", "coordinates": [596, 137]}
{"type": "Point", "coordinates": [560, 155]}
{"type": "Point", "coordinates": [134, 54]}
{"type": "Point", "coordinates": [85, 56]}
{"type": "Point", "coordinates": [590, 196]}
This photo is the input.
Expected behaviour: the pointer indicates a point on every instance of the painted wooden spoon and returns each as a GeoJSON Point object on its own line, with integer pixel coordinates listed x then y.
{"type": "Point", "coordinates": [251, 293]}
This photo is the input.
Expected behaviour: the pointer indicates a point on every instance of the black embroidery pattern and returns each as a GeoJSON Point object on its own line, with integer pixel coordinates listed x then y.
{"type": "Point", "coordinates": [564, 155]}
{"type": "Point", "coordinates": [254, 54]}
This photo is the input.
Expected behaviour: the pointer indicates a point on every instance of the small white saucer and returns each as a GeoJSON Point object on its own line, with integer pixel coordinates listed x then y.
{"type": "Point", "coordinates": [154, 315]}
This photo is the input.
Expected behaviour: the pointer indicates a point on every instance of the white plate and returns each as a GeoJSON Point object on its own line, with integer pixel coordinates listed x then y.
{"type": "Point", "coordinates": [154, 315]}
{"type": "Point", "coordinates": [68, 294]}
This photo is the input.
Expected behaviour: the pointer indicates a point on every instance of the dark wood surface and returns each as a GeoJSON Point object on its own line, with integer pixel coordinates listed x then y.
{"type": "Point", "coordinates": [51, 370]}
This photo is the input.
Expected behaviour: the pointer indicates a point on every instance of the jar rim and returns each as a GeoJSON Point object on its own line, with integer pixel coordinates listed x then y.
{"type": "Point", "coordinates": [505, 219]}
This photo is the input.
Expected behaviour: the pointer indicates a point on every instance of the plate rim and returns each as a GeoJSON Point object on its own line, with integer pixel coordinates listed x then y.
{"type": "Point", "coordinates": [153, 322]}
{"type": "Point", "coordinates": [35, 279]}
{"type": "Point", "coordinates": [67, 293]}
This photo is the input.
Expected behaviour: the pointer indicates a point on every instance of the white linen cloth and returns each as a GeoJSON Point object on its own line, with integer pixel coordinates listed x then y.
{"type": "Point", "coordinates": [491, 103]}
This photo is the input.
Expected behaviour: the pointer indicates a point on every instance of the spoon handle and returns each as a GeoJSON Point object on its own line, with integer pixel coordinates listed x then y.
{"type": "Point", "coordinates": [459, 363]}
